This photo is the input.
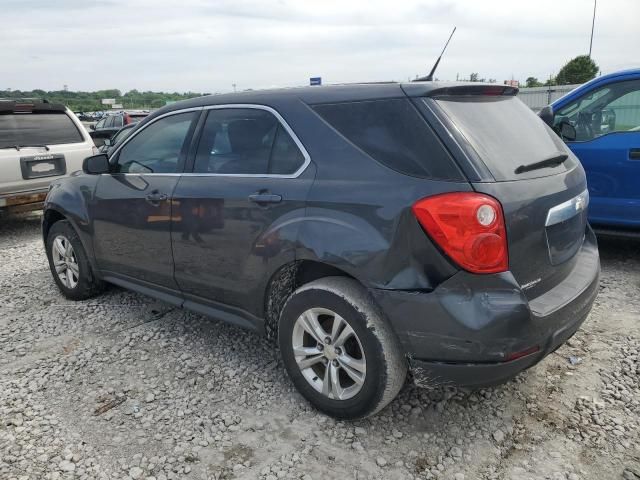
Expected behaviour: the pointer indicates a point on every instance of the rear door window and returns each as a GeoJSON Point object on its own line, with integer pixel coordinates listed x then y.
{"type": "Point", "coordinates": [392, 132]}
{"type": "Point", "coordinates": [37, 129]}
{"type": "Point", "coordinates": [506, 134]}
{"type": "Point", "coordinates": [246, 141]}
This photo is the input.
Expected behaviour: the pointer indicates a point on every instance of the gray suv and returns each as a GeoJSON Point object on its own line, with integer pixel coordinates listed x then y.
{"type": "Point", "coordinates": [371, 229]}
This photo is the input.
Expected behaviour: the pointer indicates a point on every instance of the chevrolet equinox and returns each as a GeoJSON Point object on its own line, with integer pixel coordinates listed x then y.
{"type": "Point", "coordinates": [370, 229]}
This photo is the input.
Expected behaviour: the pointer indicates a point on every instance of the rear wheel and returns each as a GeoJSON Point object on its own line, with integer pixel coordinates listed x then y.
{"type": "Point", "coordinates": [69, 264]}
{"type": "Point", "coordinates": [338, 350]}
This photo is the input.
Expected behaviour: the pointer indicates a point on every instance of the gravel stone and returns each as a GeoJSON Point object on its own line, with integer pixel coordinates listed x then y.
{"type": "Point", "coordinates": [122, 386]}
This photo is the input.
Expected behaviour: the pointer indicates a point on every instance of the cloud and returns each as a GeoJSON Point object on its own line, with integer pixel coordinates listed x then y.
{"type": "Point", "coordinates": [205, 45]}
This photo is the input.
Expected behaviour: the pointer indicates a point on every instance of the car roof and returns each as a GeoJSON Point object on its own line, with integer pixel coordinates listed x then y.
{"type": "Point", "coordinates": [323, 94]}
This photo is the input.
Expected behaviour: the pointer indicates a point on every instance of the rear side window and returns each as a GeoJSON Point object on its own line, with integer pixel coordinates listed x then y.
{"type": "Point", "coordinates": [506, 134]}
{"type": "Point", "coordinates": [243, 141]}
{"type": "Point", "coordinates": [393, 133]}
{"type": "Point", "coordinates": [37, 129]}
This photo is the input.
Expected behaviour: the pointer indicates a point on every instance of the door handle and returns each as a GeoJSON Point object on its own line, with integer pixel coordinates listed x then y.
{"type": "Point", "coordinates": [155, 197]}
{"type": "Point", "coordinates": [262, 198]}
{"type": "Point", "coordinates": [634, 154]}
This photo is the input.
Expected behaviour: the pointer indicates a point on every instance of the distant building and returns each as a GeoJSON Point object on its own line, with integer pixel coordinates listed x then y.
{"type": "Point", "coordinates": [512, 83]}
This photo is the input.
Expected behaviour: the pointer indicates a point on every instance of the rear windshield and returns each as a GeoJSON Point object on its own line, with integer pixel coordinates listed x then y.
{"type": "Point", "coordinates": [136, 118]}
{"type": "Point", "coordinates": [37, 129]}
{"type": "Point", "coordinates": [392, 132]}
{"type": "Point", "coordinates": [506, 134]}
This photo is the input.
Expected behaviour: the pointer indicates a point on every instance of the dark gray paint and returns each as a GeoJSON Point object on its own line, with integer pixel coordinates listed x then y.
{"type": "Point", "coordinates": [347, 212]}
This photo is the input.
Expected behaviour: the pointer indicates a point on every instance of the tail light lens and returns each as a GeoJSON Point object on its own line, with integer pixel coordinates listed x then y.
{"type": "Point", "coordinates": [469, 227]}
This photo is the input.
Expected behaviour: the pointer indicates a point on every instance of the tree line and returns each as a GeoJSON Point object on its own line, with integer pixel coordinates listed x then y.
{"type": "Point", "coordinates": [580, 69]}
{"type": "Point", "coordinates": [91, 101]}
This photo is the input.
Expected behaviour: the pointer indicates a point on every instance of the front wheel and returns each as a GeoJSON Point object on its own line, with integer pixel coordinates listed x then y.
{"type": "Point", "coordinates": [338, 350]}
{"type": "Point", "coordinates": [69, 263]}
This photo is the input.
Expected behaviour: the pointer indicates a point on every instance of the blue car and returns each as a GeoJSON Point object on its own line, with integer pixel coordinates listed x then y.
{"type": "Point", "coordinates": [600, 122]}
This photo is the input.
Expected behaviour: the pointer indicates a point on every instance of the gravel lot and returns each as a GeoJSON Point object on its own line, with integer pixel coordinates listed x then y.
{"type": "Point", "coordinates": [125, 387]}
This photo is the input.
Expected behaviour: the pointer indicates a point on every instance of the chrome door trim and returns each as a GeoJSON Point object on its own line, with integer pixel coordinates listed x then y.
{"type": "Point", "coordinates": [568, 209]}
{"type": "Point", "coordinates": [254, 106]}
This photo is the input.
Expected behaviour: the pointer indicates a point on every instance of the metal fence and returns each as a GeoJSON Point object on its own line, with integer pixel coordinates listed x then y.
{"type": "Point", "coordinates": [538, 97]}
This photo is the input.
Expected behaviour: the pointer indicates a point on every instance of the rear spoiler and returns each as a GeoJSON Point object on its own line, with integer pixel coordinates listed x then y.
{"type": "Point", "coordinates": [433, 89]}
{"type": "Point", "coordinates": [12, 106]}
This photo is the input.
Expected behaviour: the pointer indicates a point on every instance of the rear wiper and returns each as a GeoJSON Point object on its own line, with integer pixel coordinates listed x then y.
{"type": "Point", "coordinates": [18, 147]}
{"type": "Point", "coordinates": [549, 162]}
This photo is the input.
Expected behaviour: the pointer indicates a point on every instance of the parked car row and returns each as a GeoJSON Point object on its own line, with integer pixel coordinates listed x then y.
{"type": "Point", "coordinates": [109, 125]}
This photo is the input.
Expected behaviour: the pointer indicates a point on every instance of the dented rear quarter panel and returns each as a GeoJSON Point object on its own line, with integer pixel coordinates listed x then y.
{"type": "Point", "coordinates": [359, 219]}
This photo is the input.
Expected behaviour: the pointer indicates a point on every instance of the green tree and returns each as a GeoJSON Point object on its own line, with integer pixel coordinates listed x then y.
{"type": "Point", "coordinates": [533, 82]}
{"type": "Point", "coordinates": [473, 77]}
{"type": "Point", "coordinates": [578, 70]}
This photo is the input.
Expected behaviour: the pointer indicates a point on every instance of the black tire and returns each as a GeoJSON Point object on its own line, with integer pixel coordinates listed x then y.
{"type": "Point", "coordinates": [386, 366]}
{"type": "Point", "coordinates": [87, 284]}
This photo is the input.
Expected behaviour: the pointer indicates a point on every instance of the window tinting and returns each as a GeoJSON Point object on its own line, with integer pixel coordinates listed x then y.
{"type": "Point", "coordinates": [121, 135]}
{"type": "Point", "coordinates": [393, 133]}
{"type": "Point", "coordinates": [37, 129]}
{"type": "Point", "coordinates": [506, 134]}
{"type": "Point", "coordinates": [245, 141]}
{"type": "Point", "coordinates": [158, 147]}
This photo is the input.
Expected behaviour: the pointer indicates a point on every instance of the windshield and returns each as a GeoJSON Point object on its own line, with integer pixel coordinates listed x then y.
{"type": "Point", "coordinates": [37, 129]}
{"type": "Point", "coordinates": [121, 135]}
{"type": "Point", "coordinates": [506, 134]}
{"type": "Point", "coordinates": [136, 118]}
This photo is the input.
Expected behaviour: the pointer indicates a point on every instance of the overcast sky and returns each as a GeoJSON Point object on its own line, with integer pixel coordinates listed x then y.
{"type": "Point", "coordinates": [207, 45]}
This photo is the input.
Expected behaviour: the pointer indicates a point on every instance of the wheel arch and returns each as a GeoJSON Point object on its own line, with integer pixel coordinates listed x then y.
{"type": "Point", "coordinates": [286, 280]}
{"type": "Point", "coordinates": [52, 215]}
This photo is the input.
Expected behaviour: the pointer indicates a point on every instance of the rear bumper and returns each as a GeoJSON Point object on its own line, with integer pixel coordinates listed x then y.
{"type": "Point", "coordinates": [466, 331]}
{"type": "Point", "coordinates": [23, 201]}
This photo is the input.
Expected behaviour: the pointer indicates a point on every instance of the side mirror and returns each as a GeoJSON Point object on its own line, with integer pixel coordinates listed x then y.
{"type": "Point", "coordinates": [567, 131]}
{"type": "Point", "coordinates": [96, 164]}
{"type": "Point", "coordinates": [107, 142]}
{"type": "Point", "coordinates": [546, 114]}
{"type": "Point", "coordinates": [92, 126]}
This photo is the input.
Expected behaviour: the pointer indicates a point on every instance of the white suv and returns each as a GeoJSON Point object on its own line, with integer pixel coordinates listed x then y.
{"type": "Point", "coordinates": [39, 141]}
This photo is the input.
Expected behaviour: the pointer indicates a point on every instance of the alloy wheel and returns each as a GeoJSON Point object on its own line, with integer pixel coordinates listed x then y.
{"type": "Point", "coordinates": [65, 261]}
{"type": "Point", "coordinates": [329, 353]}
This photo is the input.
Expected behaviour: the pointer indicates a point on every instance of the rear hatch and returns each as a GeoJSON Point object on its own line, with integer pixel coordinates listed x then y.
{"type": "Point", "coordinates": [516, 158]}
{"type": "Point", "coordinates": [38, 141]}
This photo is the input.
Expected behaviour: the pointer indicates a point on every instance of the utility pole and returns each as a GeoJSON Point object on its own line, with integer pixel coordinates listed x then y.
{"type": "Point", "coordinates": [234, 86]}
{"type": "Point", "coordinates": [593, 23]}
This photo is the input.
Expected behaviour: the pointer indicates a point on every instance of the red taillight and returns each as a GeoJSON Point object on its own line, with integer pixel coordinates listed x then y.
{"type": "Point", "coordinates": [469, 227]}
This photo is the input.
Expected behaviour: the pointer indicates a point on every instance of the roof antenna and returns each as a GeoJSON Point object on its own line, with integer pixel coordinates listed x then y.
{"type": "Point", "coordinates": [429, 78]}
